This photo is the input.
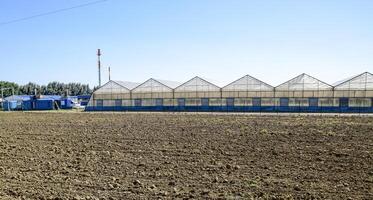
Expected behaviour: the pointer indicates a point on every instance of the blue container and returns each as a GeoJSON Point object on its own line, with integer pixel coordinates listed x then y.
{"type": "Point", "coordinates": [10, 105]}
{"type": "Point", "coordinates": [44, 104]}
{"type": "Point", "coordinates": [27, 105]}
{"type": "Point", "coordinates": [83, 99]}
{"type": "Point", "coordinates": [66, 103]}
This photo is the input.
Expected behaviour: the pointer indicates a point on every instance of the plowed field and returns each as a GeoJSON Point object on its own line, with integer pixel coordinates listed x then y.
{"type": "Point", "coordinates": [195, 156]}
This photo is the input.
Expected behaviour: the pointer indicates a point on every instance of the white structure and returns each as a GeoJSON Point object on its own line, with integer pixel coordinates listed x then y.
{"type": "Point", "coordinates": [303, 93]}
{"type": "Point", "coordinates": [113, 93]}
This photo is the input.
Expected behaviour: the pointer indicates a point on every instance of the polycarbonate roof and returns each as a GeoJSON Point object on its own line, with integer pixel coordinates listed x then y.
{"type": "Point", "coordinates": [197, 84]}
{"type": "Point", "coordinates": [363, 81]}
{"type": "Point", "coordinates": [127, 84]}
{"type": "Point", "coordinates": [153, 85]}
{"type": "Point", "coordinates": [115, 87]}
{"type": "Point", "coordinates": [247, 83]}
{"type": "Point", "coordinates": [171, 84]}
{"type": "Point", "coordinates": [304, 82]}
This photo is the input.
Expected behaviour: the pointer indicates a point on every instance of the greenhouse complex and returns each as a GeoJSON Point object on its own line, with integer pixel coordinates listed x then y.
{"type": "Point", "coordinates": [303, 93]}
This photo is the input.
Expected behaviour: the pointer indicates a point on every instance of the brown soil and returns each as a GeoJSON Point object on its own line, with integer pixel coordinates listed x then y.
{"type": "Point", "coordinates": [168, 156]}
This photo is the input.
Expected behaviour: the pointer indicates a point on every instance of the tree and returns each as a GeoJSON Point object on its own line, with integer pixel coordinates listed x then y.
{"type": "Point", "coordinates": [5, 84]}
{"type": "Point", "coordinates": [52, 88]}
{"type": "Point", "coordinates": [29, 88]}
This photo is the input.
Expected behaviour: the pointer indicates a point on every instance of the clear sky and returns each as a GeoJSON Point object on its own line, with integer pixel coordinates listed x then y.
{"type": "Point", "coordinates": [179, 39]}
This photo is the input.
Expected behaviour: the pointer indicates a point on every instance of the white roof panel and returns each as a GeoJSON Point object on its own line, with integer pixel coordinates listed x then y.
{"type": "Point", "coordinates": [171, 84]}
{"type": "Point", "coordinates": [248, 83]}
{"type": "Point", "coordinates": [197, 84]}
{"type": "Point", "coordinates": [112, 87]}
{"type": "Point", "coordinates": [153, 85]}
{"type": "Point", "coordinates": [127, 84]}
{"type": "Point", "coordinates": [363, 81]}
{"type": "Point", "coordinates": [304, 82]}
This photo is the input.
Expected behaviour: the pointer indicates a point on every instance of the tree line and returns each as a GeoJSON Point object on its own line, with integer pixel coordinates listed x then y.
{"type": "Point", "coordinates": [52, 88]}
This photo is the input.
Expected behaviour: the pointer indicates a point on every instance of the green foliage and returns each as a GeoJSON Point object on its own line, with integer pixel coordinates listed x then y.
{"type": "Point", "coordinates": [29, 88]}
{"type": "Point", "coordinates": [8, 92]}
{"type": "Point", "coordinates": [52, 88]}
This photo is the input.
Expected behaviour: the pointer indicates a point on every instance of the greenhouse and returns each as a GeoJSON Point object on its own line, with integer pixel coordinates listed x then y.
{"type": "Point", "coordinates": [355, 93]}
{"type": "Point", "coordinates": [114, 95]}
{"type": "Point", "coordinates": [154, 94]}
{"type": "Point", "coordinates": [248, 93]}
{"type": "Point", "coordinates": [303, 93]}
{"type": "Point", "coordinates": [197, 93]}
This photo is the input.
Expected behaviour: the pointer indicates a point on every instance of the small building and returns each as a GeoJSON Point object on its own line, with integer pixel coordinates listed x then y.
{"type": "Point", "coordinates": [48, 102]}
{"type": "Point", "coordinates": [83, 100]}
{"type": "Point", "coordinates": [68, 102]}
{"type": "Point", "coordinates": [18, 102]}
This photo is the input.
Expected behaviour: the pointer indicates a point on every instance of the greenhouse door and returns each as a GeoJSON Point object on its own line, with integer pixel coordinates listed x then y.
{"type": "Point", "coordinates": [256, 104]}
{"type": "Point", "coordinates": [343, 104]}
{"type": "Point", "coordinates": [313, 104]}
{"type": "Point", "coordinates": [159, 104]}
{"type": "Point", "coordinates": [181, 104]}
{"type": "Point", "coordinates": [284, 104]}
{"type": "Point", "coordinates": [118, 104]}
{"type": "Point", "coordinates": [99, 104]}
{"type": "Point", "coordinates": [230, 104]}
{"type": "Point", "coordinates": [205, 104]}
{"type": "Point", "coordinates": [137, 103]}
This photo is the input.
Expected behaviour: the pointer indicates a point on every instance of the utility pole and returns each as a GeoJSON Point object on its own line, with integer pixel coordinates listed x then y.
{"type": "Point", "coordinates": [109, 74]}
{"type": "Point", "coordinates": [99, 67]}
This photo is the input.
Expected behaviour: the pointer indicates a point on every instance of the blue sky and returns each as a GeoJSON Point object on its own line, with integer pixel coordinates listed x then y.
{"type": "Point", "coordinates": [179, 39]}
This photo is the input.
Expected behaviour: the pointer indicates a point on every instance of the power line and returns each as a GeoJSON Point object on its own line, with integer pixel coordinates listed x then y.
{"type": "Point", "coordinates": [51, 12]}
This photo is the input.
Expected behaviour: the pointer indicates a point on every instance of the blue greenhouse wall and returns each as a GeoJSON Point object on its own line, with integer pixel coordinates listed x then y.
{"type": "Point", "coordinates": [234, 109]}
